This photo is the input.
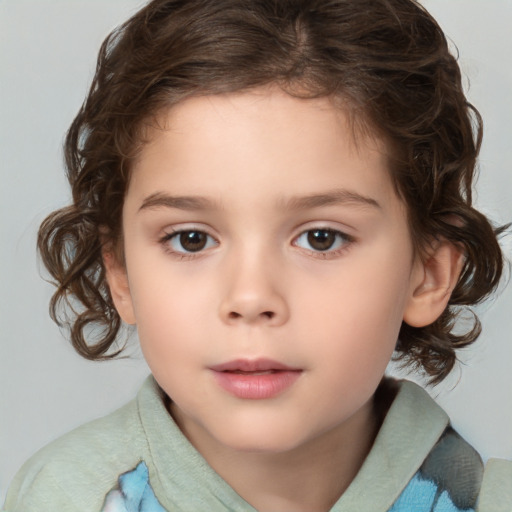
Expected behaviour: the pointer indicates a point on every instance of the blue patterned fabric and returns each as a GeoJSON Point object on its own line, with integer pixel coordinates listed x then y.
{"type": "Point", "coordinates": [449, 480]}
{"type": "Point", "coordinates": [134, 494]}
{"type": "Point", "coordinates": [425, 496]}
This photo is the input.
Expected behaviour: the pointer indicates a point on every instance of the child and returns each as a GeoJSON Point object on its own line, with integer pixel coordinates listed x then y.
{"type": "Point", "coordinates": [274, 193]}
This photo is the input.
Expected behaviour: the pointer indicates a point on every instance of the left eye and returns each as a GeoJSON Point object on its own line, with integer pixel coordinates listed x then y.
{"type": "Point", "coordinates": [322, 240]}
{"type": "Point", "coordinates": [189, 241]}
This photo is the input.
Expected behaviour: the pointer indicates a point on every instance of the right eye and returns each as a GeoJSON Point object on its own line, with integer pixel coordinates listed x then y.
{"type": "Point", "coordinates": [324, 240]}
{"type": "Point", "coordinates": [188, 241]}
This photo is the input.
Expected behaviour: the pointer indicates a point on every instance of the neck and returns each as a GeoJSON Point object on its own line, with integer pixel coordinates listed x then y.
{"type": "Point", "coordinates": [309, 477]}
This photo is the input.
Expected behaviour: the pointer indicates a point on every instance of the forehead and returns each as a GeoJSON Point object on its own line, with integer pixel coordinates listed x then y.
{"type": "Point", "coordinates": [264, 139]}
{"type": "Point", "coordinates": [296, 115]}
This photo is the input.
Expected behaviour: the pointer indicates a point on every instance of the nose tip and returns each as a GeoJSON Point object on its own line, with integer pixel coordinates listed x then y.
{"type": "Point", "coordinates": [254, 290]}
{"type": "Point", "coordinates": [262, 305]}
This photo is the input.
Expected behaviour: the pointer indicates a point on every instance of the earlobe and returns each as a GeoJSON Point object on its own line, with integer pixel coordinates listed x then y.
{"type": "Point", "coordinates": [117, 279]}
{"type": "Point", "coordinates": [433, 283]}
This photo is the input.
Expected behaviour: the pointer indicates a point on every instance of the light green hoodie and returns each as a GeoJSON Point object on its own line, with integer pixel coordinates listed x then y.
{"type": "Point", "coordinates": [75, 473]}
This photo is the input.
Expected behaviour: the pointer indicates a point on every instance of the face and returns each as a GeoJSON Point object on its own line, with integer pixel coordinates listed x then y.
{"type": "Point", "coordinates": [269, 267]}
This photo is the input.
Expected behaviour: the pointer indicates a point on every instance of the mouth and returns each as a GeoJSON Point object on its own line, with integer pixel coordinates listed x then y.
{"type": "Point", "coordinates": [255, 380]}
{"type": "Point", "coordinates": [241, 372]}
{"type": "Point", "coordinates": [252, 366]}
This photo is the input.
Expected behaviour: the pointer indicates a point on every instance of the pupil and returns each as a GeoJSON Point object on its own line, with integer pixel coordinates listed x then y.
{"type": "Point", "coordinates": [321, 239]}
{"type": "Point", "coordinates": [193, 241]}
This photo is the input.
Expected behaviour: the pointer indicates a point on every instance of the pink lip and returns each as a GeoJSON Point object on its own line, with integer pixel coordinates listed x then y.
{"type": "Point", "coordinates": [246, 365]}
{"type": "Point", "coordinates": [245, 378]}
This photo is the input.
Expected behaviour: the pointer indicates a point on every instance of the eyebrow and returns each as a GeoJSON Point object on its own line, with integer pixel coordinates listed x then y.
{"type": "Point", "coordinates": [334, 197]}
{"type": "Point", "coordinates": [159, 199]}
{"type": "Point", "coordinates": [191, 203]}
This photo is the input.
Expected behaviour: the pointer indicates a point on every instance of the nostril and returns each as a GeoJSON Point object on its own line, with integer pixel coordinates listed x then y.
{"type": "Point", "coordinates": [233, 315]}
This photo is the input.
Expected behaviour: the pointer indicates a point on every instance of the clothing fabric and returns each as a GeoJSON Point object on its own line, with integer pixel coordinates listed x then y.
{"type": "Point", "coordinates": [137, 459]}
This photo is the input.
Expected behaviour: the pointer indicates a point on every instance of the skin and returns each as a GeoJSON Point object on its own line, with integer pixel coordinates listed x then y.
{"type": "Point", "coordinates": [260, 289]}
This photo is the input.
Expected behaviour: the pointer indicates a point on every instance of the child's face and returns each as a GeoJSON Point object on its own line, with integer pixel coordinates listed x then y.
{"type": "Point", "coordinates": [294, 249]}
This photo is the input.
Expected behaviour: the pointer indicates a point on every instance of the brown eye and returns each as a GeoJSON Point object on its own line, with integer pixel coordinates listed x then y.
{"type": "Point", "coordinates": [189, 241]}
{"type": "Point", "coordinates": [322, 240]}
{"type": "Point", "coordinates": [193, 241]}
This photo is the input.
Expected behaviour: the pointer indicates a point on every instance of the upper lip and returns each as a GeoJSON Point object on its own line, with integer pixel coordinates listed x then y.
{"type": "Point", "coordinates": [248, 365]}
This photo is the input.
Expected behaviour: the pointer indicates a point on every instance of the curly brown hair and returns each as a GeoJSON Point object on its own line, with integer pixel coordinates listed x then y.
{"type": "Point", "coordinates": [388, 60]}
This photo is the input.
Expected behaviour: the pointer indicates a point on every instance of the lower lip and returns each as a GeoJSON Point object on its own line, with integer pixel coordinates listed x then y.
{"type": "Point", "coordinates": [257, 386]}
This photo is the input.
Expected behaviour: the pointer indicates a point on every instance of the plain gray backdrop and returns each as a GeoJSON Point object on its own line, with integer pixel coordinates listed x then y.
{"type": "Point", "coordinates": [47, 58]}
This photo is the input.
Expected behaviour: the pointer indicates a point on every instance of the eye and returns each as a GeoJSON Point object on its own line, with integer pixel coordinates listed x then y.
{"type": "Point", "coordinates": [188, 241]}
{"type": "Point", "coordinates": [322, 240]}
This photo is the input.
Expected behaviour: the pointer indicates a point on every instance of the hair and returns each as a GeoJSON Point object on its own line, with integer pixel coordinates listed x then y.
{"type": "Point", "coordinates": [389, 63]}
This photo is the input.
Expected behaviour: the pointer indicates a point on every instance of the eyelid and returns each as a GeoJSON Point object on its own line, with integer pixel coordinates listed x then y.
{"type": "Point", "coordinates": [192, 226]}
{"type": "Point", "coordinates": [343, 229]}
{"type": "Point", "coordinates": [348, 240]}
{"type": "Point", "coordinates": [173, 232]}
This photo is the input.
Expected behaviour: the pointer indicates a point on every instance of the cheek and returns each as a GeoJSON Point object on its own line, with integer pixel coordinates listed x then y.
{"type": "Point", "coordinates": [356, 315]}
{"type": "Point", "coordinates": [176, 316]}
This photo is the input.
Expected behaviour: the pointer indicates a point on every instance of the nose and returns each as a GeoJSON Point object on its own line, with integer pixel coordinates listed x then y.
{"type": "Point", "coordinates": [253, 295]}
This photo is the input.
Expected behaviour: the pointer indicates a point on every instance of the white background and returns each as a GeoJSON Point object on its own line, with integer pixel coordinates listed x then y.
{"type": "Point", "coordinates": [47, 57]}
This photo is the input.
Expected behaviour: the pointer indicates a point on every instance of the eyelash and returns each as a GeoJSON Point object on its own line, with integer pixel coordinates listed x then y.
{"type": "Point", "coordinates": [344, 241]}
{"type": "Point", "coordinates": [167, 239]}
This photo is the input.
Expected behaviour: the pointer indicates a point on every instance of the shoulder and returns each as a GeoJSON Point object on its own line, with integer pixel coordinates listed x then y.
{"type": "Point", "coordinates": [451, 476]}
{"type": "Point", "coordinates": [453, 479]}
{"type": "Point", "coordinates": [496, 493]}
{"type": "Point", "coordinates": [455, 469]}
{"type": "Point", "coordinates": [78, 469]}
{"type": "Point", "coordinates": [452, 469]}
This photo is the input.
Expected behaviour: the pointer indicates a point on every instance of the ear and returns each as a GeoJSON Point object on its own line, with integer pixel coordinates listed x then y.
{"type": "Point", "coordinates": [117, 279]}
{"type": "Point", "coordinates": [432, 284]}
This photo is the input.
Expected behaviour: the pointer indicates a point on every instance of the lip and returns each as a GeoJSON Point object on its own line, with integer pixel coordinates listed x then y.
{"type": "Point", "coordinates": [248, 365]}
{"type": "Point", "coordinates": [258, 379]}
